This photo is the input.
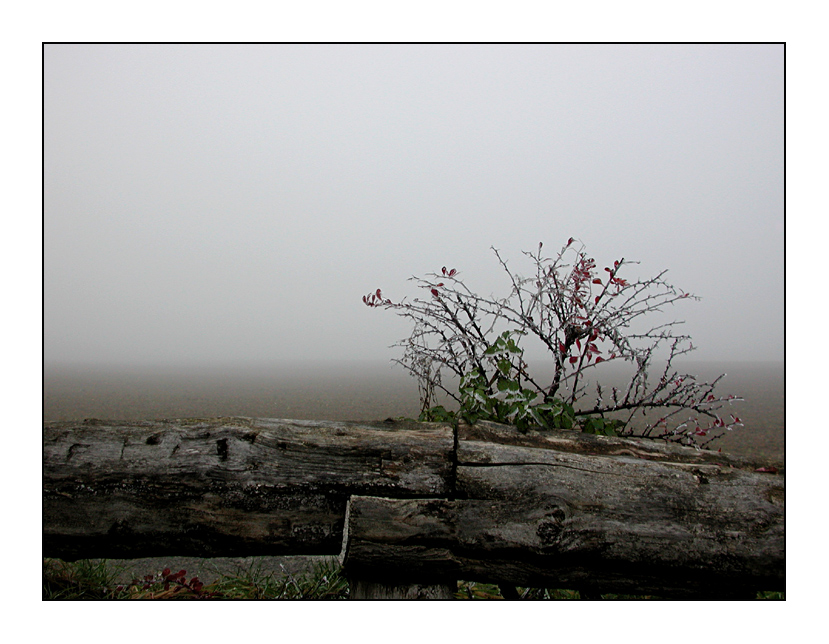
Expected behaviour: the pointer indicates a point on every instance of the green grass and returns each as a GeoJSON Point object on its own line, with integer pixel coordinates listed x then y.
{"type": "Point", "coordinates": [88, 580]}
{"type": "Point", "coordinates": [326, 581]}
{"type": "Point", "coordinates": [78, 580]}
{"type": "Point", "coordinates": [97, 580]}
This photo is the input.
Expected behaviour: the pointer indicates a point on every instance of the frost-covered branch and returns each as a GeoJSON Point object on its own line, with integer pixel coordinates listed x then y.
{"type": "Point", "coordinates": [584, 319]}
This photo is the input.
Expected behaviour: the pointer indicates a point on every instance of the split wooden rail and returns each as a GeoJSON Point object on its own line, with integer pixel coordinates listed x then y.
{"type": "Point", "coordinates": [413, 507]}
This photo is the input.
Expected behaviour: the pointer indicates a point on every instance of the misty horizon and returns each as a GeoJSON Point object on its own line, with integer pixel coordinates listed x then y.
{"type": "Point", "coordinates": [231, 204]}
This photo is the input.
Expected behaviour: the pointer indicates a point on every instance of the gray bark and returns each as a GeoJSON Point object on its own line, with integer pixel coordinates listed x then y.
{"type": "Point", "coordinates": [426, 505]}
{"type": "Point", "coordinates": [359, 589]}
{"type": "Point", "coordinates": [567, 510]}
{"type": "Point", "coordinates": [232, 486]}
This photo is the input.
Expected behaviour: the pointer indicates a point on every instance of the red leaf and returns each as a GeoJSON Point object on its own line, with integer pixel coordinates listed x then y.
{"type": "Point", "coordinates": [561, 347]}
{"type": "Point", "coordinates": [165, 572]}
{"type": "Point", "coordinates": [378, 294]}
{"type": "Point", "coordinates": [597, 281]}
{"type": "Point", "coordinates": [452, 272]}
{"type": "Point", "coordinates": [441, 284]}
{"type": "Point", "coordinates": [770, 470]}
{"type": "Point", "coordinates": [435, 292]}
{"type": "Point", "coordinates": [607, 269]}
{"type": "Point", "coordinates": [599, 359]}
{"type": "Point", "coordinates": [578, 344]}
{"type": "Point", "coordinates": [573, 360]}
{"type": "Point", "coordinates": [570, 241]}
{"type": "Point", "coordinates": [443, 270]}
{"type": "Point", "coordinates": [596, 301]}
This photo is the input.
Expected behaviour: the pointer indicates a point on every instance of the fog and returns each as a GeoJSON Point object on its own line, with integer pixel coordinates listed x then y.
{"type": "Point", "coordinates": [232, 204]}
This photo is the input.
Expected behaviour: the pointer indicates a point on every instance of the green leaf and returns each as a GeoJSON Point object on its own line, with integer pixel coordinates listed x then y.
{"type": "Point", "coordinates": [591, 426]}
{"type": "Point", "coordinates": [471, 417]}
{"type": "Point", "coordinates": [437, 414]}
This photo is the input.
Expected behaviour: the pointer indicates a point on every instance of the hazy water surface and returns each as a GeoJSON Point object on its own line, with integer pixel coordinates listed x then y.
{"type": "Point", "coordinates": [358, 391]}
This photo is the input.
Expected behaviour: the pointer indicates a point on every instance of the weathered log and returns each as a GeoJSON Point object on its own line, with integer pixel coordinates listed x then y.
{"type": "Point", "coordinates": [428, 505]}
{"type": "Point", "coordinates": [229, 486]}
{"type": "Point", "coordinates": [569, 510]}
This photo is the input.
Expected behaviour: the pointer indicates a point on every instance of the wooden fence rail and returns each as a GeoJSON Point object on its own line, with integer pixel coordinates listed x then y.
{"type": "Point", "coordinates": [413, 507]}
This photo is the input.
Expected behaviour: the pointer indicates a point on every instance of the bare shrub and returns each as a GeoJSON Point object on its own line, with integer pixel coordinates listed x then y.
{"type": "Point", "coordinates": [584, 319]}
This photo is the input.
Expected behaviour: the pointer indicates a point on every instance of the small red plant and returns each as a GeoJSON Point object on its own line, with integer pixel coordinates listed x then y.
{"type": "Point", "coordinates": [167, 585]}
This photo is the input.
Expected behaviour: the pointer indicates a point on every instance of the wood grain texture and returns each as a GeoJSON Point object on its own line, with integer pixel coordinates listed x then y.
{"type": "Point", "coordinates": [413, 507]}
{"type": "Point", "coordinates": [215, 487]}
{"type": "Point", "coordinates": [568, 510]}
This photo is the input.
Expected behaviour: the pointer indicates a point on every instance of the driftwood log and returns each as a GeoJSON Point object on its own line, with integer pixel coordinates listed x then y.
{"type": "Point", "coordinates": [414, 507]}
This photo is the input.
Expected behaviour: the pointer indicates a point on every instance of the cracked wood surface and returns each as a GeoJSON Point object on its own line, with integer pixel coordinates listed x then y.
{"type": "Point", "coordinates": [598, 514]}
{"type": "Point", "coordinates": [227, 486]}
{"type": "Point", "coordinates": [427, 504]}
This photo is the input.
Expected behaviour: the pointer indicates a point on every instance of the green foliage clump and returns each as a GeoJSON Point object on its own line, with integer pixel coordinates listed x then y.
{"type": "Point", "coordinates": [511, 403]}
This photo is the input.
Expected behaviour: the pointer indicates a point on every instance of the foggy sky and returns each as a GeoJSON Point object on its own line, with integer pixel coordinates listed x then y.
{"type": "Point", "coordinates": [208, 204]}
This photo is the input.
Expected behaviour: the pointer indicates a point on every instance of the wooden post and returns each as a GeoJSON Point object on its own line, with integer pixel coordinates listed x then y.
{"type": "Point", "coordinates": [371, 590]}
{"type": "Point", "coordinates": [365, 583]}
